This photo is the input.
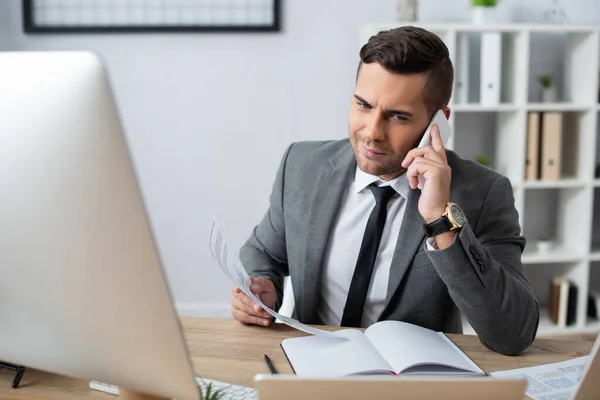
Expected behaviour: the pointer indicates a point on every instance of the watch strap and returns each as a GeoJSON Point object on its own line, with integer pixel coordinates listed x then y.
{"type": "Point", "coordinates": [438, 226]}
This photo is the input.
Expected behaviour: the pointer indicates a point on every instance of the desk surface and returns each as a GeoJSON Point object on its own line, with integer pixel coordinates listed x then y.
{"type": "Point", "coordinates": [228, 351]}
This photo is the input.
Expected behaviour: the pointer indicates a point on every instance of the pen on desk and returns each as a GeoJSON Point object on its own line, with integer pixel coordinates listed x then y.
{"type": "Point", "coordinates": [270, 365]}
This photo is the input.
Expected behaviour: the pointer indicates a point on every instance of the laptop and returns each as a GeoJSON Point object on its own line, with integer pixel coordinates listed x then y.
{"type": "Point", "coordinates": [272, 387]}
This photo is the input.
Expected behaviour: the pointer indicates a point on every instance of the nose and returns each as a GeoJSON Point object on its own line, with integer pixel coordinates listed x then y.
{"type": "Point", "coordinates": [374, 129]}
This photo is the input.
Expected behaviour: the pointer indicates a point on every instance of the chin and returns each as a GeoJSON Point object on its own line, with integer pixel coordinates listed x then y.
{"type": "Point", "coordinates": [379, 170]}
{"type": "Point", "coordinates": [370, 168]}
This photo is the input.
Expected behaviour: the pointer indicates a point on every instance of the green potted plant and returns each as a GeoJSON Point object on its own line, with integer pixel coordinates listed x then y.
{"type": "Point", "coordinates": [548, 90]}
{"type": "Point", "coordinates": [484, 11]}
{"type": "Point", "coordinates": [544, 244]}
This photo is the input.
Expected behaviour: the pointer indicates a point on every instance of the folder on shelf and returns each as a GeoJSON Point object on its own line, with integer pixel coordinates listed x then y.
{"type": "Point", "coordinates": [491, 63]}
{"type": "Point", "coordinates": [462, 70]}
{"type": "Point", "coordinates": [562, 302]}
{"type": "Point", "coordinates": [532, 160]}
{"type": "Point", "coordinates": [551, 145]}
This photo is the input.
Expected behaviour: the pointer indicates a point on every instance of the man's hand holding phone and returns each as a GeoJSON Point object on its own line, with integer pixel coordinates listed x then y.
{"type": "Point", "coordinates": [246, 310]}
{"type": "Point", "coordinates": [432, 164]}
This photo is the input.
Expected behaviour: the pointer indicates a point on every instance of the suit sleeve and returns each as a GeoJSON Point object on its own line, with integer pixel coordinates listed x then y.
{"type": "Point", "coordinates": [485, 276]}
{"type": "Point", "coordinates": [264, 254]}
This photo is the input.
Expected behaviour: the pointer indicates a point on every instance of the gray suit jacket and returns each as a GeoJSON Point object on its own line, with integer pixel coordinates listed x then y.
{"type": "Point", "coordinates": [480, 275]}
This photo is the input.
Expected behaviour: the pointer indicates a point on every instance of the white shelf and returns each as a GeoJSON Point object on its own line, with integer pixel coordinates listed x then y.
{"type": "Point", "coordinates": [476, 107]}
{"type": "Point", "coordinates": [547, 327]}
{"type": "Point", "coordinates": [595, 255]}
{"type": "Point", "coordinates": [557, 255]}
{"type": "Point", "coordinates": [558, 107]}
{"type": "Point", "coordinates": [563, 183]}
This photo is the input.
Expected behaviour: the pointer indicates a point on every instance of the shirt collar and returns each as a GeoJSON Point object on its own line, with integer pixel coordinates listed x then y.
{"type": "Point", "coordinates": [362, 180]}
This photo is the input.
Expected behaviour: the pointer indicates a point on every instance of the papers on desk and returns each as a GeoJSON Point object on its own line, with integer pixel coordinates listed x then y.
{"type": "Point", "coordinates": [227, 258]}
{"type": "Point", "coordinates": [550, 381]}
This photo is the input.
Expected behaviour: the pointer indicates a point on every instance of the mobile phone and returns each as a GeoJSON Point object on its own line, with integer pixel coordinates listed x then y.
{"type": "Point", "coordinates": [440, 119]}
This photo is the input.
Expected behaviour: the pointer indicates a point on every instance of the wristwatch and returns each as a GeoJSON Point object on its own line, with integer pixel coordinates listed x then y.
{"type": "Point", "coordinates": [452, 219]}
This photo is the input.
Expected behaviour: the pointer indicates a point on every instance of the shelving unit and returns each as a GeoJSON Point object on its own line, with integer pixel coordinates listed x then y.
{"type": "Point", "coordinates": [568, 209]}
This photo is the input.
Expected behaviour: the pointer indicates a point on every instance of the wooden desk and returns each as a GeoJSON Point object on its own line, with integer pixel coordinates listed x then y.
{"type": "Point", "coordinates": [228, 351]}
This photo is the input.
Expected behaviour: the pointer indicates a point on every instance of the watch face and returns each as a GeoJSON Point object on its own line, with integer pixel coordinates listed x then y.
{"type": "Point", "coordinates": [458, 215]}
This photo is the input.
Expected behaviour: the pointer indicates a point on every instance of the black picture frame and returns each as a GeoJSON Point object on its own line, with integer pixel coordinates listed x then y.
{"type": "Point", "coordinates": [29, 25]}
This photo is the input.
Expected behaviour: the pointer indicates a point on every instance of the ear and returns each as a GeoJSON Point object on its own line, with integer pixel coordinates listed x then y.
{"type": "Point", "coordinates": [447, 112]}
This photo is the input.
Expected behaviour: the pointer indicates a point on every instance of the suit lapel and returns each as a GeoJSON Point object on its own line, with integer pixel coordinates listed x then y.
{"type": "Point", "coordinates": [326, 200]}
{"type": "Point", "coordinates": [409, 238]}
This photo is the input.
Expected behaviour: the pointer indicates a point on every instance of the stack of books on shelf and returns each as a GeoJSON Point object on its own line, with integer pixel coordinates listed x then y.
{"type": "Point", "coordinates": [562, 302]}
{"type": "Point", "coordinates": [544, 144]}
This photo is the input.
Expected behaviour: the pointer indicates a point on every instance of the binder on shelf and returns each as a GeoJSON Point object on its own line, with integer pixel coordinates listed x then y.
{"type": "Point", "coordinates": [532, 160]}
{"type": "Point", "coordinates": [462, 69]}
{"type": "Point", "coordinates": [491, 62]}
{"type": "Point", "coordinates": [551, 145]}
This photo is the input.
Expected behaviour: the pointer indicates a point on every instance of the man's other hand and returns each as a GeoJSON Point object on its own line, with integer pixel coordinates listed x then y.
{"type": "Point", "coordinates": [246, 310]}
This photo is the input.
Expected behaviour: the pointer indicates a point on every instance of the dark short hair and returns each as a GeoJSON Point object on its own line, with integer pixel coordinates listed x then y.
{"type": "Point", "coordinates": [413, 50]}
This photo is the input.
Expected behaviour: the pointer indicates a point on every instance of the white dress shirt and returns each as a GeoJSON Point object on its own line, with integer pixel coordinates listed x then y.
{"type": "Point", "coordinates": [344, 246]}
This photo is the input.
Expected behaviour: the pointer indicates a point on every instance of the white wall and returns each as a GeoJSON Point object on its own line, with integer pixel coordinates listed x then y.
{"type": "Point", "coordinates": [209, 115]}
{"type": "Point", "coordinates": [6, 28]}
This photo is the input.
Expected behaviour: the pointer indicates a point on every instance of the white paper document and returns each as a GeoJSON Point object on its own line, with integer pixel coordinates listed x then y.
{"type": "Point", "coordinates": [556, 381]}
{"type": "Point", "coordinates": [227, 258]}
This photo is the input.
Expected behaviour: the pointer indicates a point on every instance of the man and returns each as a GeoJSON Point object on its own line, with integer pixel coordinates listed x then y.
{"type": "Point", "coordinates": [362, 243]}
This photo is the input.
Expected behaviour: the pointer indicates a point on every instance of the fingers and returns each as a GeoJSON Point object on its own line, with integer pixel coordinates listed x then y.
{"type": "Point", "coordinates": [413, 172]}
{"type": "Point", "coordinates": [423, 152]}
{"type": "Point", "coordinates": [249, 306]}
{"type": "Point", "coordinates": [435, 152]}
{"type": "Point", "coordinates": [250, 319]}
{"type": "Point", "coordinates": [245, 310]}
{"type": "Point", "coordinates": [436, 141]}
{"type": "Point", "coordinates": [423, 166]}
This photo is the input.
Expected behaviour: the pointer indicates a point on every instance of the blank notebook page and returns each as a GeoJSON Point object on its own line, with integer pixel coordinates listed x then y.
{"type": "Point", "coordinates": [321, 356]}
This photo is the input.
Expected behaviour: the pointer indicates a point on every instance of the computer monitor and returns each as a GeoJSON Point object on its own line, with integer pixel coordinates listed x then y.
{"type": "Point", "coordinates": [82, 290]}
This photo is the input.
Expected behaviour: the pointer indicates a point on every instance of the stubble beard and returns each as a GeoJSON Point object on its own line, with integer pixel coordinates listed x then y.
{"type": "Point", "coordinates": [387, 165]}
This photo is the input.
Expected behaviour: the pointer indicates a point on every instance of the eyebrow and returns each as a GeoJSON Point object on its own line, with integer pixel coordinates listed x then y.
{"type": "Point", "coordinates": [387, 112]}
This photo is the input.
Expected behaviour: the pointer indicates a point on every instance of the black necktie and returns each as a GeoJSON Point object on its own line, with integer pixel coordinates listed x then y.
{"type": "Point", "coordinates": [357, 295]}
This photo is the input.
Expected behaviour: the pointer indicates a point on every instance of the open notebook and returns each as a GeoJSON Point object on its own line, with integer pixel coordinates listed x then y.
{"type": "Point", "coordinates": [387, 347]}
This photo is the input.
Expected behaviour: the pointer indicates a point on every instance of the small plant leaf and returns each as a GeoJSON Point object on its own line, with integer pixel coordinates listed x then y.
{"type": "Point", "coordinates": [210, 393]}
{"type": "Point", "coordinates": [545, 80]}
{"type": "Point", "coordinates": [484, 3]}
